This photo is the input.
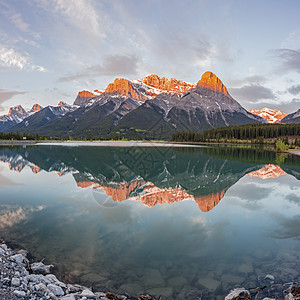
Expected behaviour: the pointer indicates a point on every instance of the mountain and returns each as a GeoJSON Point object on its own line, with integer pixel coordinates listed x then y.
{"type": "Point", "coordinates": [150, 108]}
{"type": "Point", "coordinates": [16, 115]}
{"type": "Point", "coordinates": [84, 97]}
{"type": "Point", "coordinates": [293, 118]}
{"type": "Point", "coordinates": [141, 90]}
{"type": "Point", "coordinates": [271, 115]}
{"type": "Point", "coordinates": [41, 117]}
{"type": "Point", "coordinates": [204, 106]}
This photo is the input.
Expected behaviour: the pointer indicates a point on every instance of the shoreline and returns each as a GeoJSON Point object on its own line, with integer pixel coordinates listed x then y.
{"type": "Point", "coordinates": [294, 152]}
{"type": "Point", "coordinates": [124, 144]}
{"type": "Point", "coordinates": [22, 279]}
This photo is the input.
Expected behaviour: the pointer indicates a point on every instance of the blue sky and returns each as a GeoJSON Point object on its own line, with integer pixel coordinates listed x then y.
{"type": "Point", "coordinates": [51, 49]}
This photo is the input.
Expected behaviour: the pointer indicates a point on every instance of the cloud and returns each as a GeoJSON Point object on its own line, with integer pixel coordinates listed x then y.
{"type": "Point", "coordinates": [6, 95]}
{"type": "Point", "coordinates": [290, 60]}
{"type": "Point", "coordinates": [18, 22]}
{"type": "Point", "coordinates": [10, 58]}
{"type": "Point", "coordinates": [113, 65]}
{"type": "Point", "coordinates": [79, 13]}
{"type": "Point", "coordinates": [294, 90]}
{"type": "Point", "coordinates": [253, 79]}
{"type": "Point", "coordinates": [252, 93]}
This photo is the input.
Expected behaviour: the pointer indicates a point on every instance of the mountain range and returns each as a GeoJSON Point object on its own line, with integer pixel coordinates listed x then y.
{"type": "Point", "coordinates": [146, 175]}
{"type": "Point", "coordinates": [153, 107]}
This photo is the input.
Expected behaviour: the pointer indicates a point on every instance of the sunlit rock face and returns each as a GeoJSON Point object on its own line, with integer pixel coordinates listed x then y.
{"type": "Point", "coordinates": [119, 192]}
{"type": "Point", "coordinates": [208, 202]}
{"type": "Point", "coordinates": [83, 97]}
{"type": "Point", "coordinates": [158, 85]}
{"type": "Point", "coordinates": [269, 171]}
{"type": "Point", "coordinates": [151, 195]}
{"type": "Point", "coordinates": [271, 115]}
{"type": "Point", "coordinates": [36, 107]}
{"type": "Point", "coordinates": [210, 81]}
{"type": "Point", "coordinates": [18, 110]}
{"type": "Point", "coordinates": [125, 88]}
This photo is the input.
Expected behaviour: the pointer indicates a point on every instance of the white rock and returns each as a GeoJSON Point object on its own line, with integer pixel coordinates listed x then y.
{"type": "Point", "coordinates": [40, 268]}
{"type": "Point", "coordinates": [2, 252]}
{"type": "Point", "coordinates": [20, 293]}
{"type": "Point", "coordinates": [87, 293]}
{"type": "Point", "coordinates": [18, 258]}
{"type": "Point", "coordinates": [269, 276]}
{"type": "Point", "coordinates": [41, 287]}
{"type": "Point", "coordinates": [68, 297]}
{"type": "Point", "coordinates": [3, 246]}
{"type": "Point", "coordinates": [56, 290]}
{"type": "Point", "coordinates": [15, 281]}
{"type": "Point", "coordinates": [53, 279]}
{"type": "Point", "coordinates": [236, 292]}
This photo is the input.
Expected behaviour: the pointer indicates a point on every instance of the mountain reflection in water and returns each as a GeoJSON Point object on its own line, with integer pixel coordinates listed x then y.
{"type": "Point", "coordinates": [153, 175]}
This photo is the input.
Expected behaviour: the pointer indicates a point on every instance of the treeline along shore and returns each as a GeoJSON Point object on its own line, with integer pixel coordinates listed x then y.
{"type": "Point", "coordinates": [250, 133]}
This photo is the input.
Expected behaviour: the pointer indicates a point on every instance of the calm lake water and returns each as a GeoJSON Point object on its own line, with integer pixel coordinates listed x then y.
{"type": "Point", "coordinates": [183, 223]}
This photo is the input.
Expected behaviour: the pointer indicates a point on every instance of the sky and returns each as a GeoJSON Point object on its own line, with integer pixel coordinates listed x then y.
{"type": "Point", "coordinates": [52, 49]}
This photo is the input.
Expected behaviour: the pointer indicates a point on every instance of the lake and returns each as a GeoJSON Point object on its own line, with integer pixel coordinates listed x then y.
{"type": "Point", "coordinates": [183, 223]}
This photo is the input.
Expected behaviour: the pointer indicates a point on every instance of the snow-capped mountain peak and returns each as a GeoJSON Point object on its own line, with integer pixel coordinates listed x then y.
{"type": "Point", "coordinates": [271, 115]}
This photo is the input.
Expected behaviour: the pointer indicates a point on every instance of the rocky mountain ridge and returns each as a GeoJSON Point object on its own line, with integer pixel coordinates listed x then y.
{"type": "Point", "coordinates": [152, 107]}
{"type": "Point", "coordinates": [292, 118]}
{"type": "Point", "coordinates": [271, 115]}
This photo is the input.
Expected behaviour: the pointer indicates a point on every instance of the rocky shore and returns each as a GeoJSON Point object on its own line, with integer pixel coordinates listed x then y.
{"type": "Point", "coordinates": [20, 279]}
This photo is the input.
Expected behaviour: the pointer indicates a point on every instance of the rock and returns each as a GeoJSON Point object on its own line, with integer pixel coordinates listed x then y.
{"type": "Point", "coordinates": [23, 252]}
{"type": "Point", "coordinates": [40, 268]}
{"type": "Point", "coordinates": [73, 288]}
{"type": "Point", "coordinates": [239, 292]}
{"type": "Point", "coordinates": [131, 289]}
{"type": "Point", "coordinates": [18, 258]}
{"type": "Point", "coordinates": [210, 81]}
{"type": "Point", "coordinates": [19, 293]}
{"type": "Point", "coordinates": [124, 87]}
{"type": "Point", "coordinates": [178, 281]}
{"type": "Point", "coordinates": [163, 291]}
{"type": "Point", "coordinates": [152, 277]}
{"type": "Point", "coordinates": [232, 279]}
{"type": "Point", "coordinates": [244, 268]}
{"type": "Point", "coordinates": [87, 293]}
{"type": "Point", "coordinates": [52, 278]}
{"type": "Point", "coordinates": [68, 297]}
{"type": "Point", "coordinates": [2, 252]}
{"type": "Point", "coordinates": [209, 283]}
{"type": "Point", "coordinates": [56, 290]}
{"type": "Point", "coordinates": [15, 281]}
{"type": "Point", "coordinates": [270, 277]}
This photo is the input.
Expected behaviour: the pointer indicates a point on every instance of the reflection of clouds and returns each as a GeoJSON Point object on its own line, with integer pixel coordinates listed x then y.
{"type": "Point", "coordinates": [250, 205]}
{"type": "Point", "coordinates": [9, 216]}
{"type": "Point", "coordinates": [250, 192]}
{"type": "Point", "coordinates": [4, 181]}
{"type": "Point", "coordinates": [293, 198]}
{"type": "Point", "coordinates": [288, 228]}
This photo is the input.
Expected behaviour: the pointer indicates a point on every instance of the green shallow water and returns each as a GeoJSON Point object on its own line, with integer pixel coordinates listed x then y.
{"type": "Point", "coordinates": [177, 222]}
